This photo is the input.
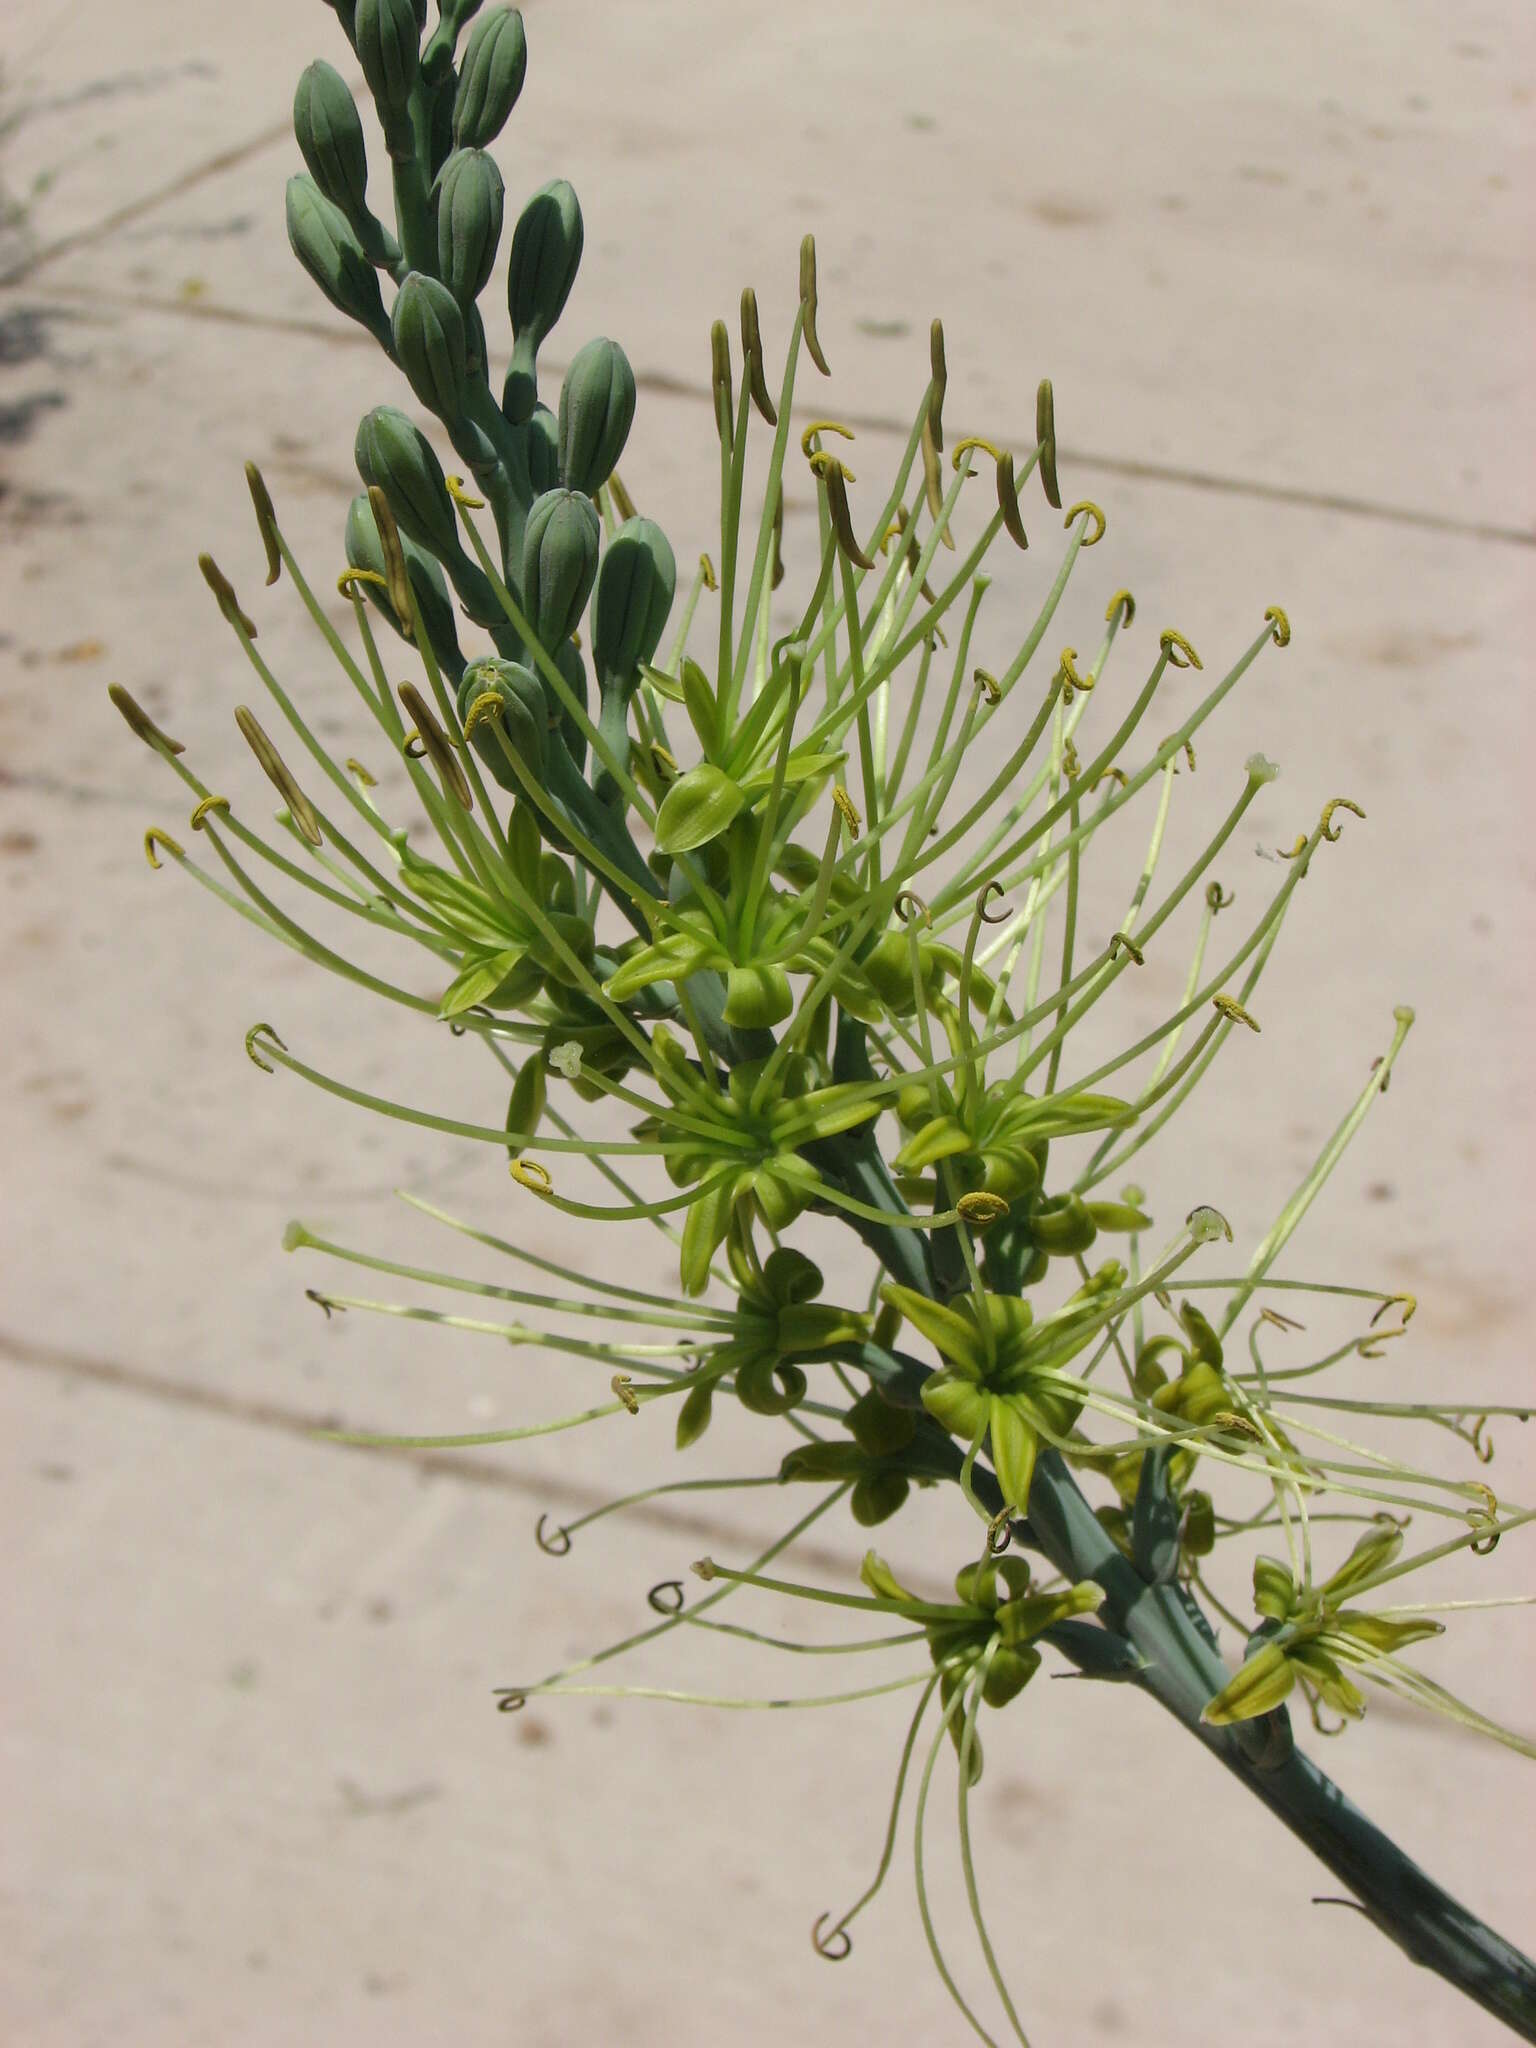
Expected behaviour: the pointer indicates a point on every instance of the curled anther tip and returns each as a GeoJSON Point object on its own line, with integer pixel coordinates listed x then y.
{"type": "Point", "coordinates": [1409, 1304]}
{"type": "Point", "coordinates": [413, 747]}
{"type": "Point", "coordinates": [823, 427]}
{"type": "Point", "coordinates": [457, 491]}
{"type": "Point", "coordinates": [910, 905]}
{"type": "Point", "coordinates": [663, 763]}
{"type": "Point", "coordinates": [1008, 503]}
{"type": "Point", "coordinates": [1178, 650]}
{"type": "Point", "coordinates": [509, 1700]}
{"type": "Point", "coordinates": [704, 1568]}
{"type": "Point", "coordinates": [981, 1209]}
{"type": "Point", "coordinates": [623, 1386]}
{"type": "Point", "coordinates": [1206, 1224]}
{"type": "Point", "coordinates": [1121, 939]}
{"type": "Point", "coordinates": [349, 579]}
{"type": "Point", "coordinates": [825, 1944]}
{"type": "Point", "coordinates": [528, 1173]}
{"type": "Point", "coordinates": [1279, 625]}
{"type": "Point", "coordinates": [224, 591]}
{"type": "Point", "coordinates": [666, 1596]}
{"type": "Point", "coordinates": [276, 771]}
{"type": "Point", "coordinates": [1230, 1423]}
{"type": "Point", "coordinates": [939, 369]}
{"type": "Point", "coordinates": [266, 520]}
{"type": "Point", "coordinates": [322, 1302]}
{"type": "Point", "coordinates": [1482, 1448]}
{"type": "Point", "coordinates": [1121, 601]}
{"type": "Point", "coordinates": [847, 810]}
{"type": "Point", "coordinates": [824, 463]}
{"type": "Point", "coordinates": [139, 722]}
{"type": "Point", "coordinates": [1116, 775]}
{"type": "Point", "coordinates": [1000, 1532]}
{"type": "Point", "coordinates": [808, 304]}
{"type": "Point", "coordinates": [155, 837]}
{"type": "Point", "coordinates": [1370, 1346]}
{"type": "Point", "coordinates": [262, 1034]}
{"type": "Point", "coordinates": [752, 357]}
{"type": "Point", "coordinates": [1233, 1011]}
{"type": "Point", "coordinates": [1045, 434]}
{"type": "Point", "coordinates": [1071, 766]}
{"type": "Point", "coordinates": [487, 707]}
{"type": "Point", "coordinates": [355, 767]}
{"type": "Point", "coordinates": [1096, 517]}
{"type": "Point", "coordinates": [201, 811]}
{"type": "Point", "coordinates": [988, 916]}
{"type": "Point", "coordinates": [1294, 852]}
{"type": "Point", "coordinates": [1067, 675]}
{"type": "Point", "coordinates": [984, 680]}
{"type": "Point", "coordinates": [707, 571]}
{"type": "Point", "coordinates": [1216, 899]}
{"type": "Point", "coordinates": [556, 1545]}
{"type": "Point", "coordinates": [1331, 831]}
{"type": "Point", "coordinates": [963, 448]}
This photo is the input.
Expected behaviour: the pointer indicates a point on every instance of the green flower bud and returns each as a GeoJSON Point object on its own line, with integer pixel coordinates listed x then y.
{"type": "Point", "coordinates": [1062, 1225]}
{"type": "Point", "coordinates": [523, 722]}
{"type": "Point", "coordinates": [398, 457]}
{"type": "Point", "coordinates": [330, 137]}
{"type": "Point", "coordinates": [470, 198]}
{"type": "Point", "coordinates": [546, 250]}
{"type": "Point", "coordinates": [322, 239]}
{"type": "Point", "coordinates": [635, 587]}
{"type": "Point", "coordinates": [559, 563]}
{"type": "Point", "coordinates": [428, 586]}
{"type": "Point", "coordinates": [597, 408]}
{"type": "Point", "coordinates": [429, 343]}
{"type": "Point", "coordinates": [757, 997]}
{"type": "Point", "coordinates": [490, 78]}
{"type": "Point", "coordinates": [387, 37]}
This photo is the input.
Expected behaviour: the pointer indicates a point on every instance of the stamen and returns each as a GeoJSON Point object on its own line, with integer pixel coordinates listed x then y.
{"type": "Point", "coordinates": [276, 772]}
{"type": "Point", "coordinates": [823, 427]}
{"type": "Point", "coordinates": [223, 590]}
{"type": "Point", "coordinates": [529, 1173]}
{"type": "Point", "coordinates": [934, 419]}
{"type": "Point", "coordinates": [1122, 600]}
{"type": "Point", "coordinates": [808, 304]}
{"type": "Point", "coordinates": [266, 521]}
{"type": "Point", "coordinates": [623, 1386]}
{"type": "Point", "coordinates": [1068, 677]}
{"type": "Point", "coordinates": [983, 680]}
{"type": "Point", "coordinates": [1178, 650]}
{"type": "Point", "coordinates": [1045, 434]}
{"type": "Point", "coordinates": [752, 357]}
{"type": "Point", "coordinates": [435, 740]}
{"type": "Point", "coordinates": [140, 722]}
{"type": "Point", "coordinates": [556, 1546]}
{"type": "Point", "coordinates": [720, 383]}
{"type": "Point", "coordinates": [253, 1037]}
{"type": "Point", "coordinates": [847, 810]}
{"type": "Point", "coordinates": [1280, 624]}
{"type": "Point", "coordinates": [349, 579]}
{"type": "Point", "coordinates": [155, 837]}
{"type": "Point", "coordinates": [1337, 803]}
{"type": "Point", "coordinates": [209, 803]}
{"type": "Point", "coordinates": [1008, 503]}
{"type": "Point", "coordinates": [1095, 515]}
{"type": "Point", "coordinates": [1233, 1010]}
{"type": "Point", "coordinates": [981, 1210]}
{"type": "Point", "coordinates": [1121, 940]}
{"type": "Point", "coordinates": [461, 497]}
{"type": "Point", "coordinates": [963, 448]}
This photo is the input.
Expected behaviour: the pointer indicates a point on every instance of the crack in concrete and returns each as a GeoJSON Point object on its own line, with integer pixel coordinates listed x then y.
{"type": "Point", "coordinates": [286, 1420]}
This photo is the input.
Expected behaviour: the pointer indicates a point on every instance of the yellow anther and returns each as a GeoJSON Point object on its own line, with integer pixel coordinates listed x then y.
{"type": "Point", "coordinates": [1280, 625]}
{"type": "Point", "coordinates": [487, 705]}
{"type": "Point", "coordinates": [1273, 1315]}
{"type": "Point", "coordinates": [155, 837]}
{"type": "Point", "coordinates": [664, 763]}
{"type": "Point", "coordinates": [823, 427]}
{"type": "Point", "coordinates": [1125, 599]}
{"type": "Point", "coordinates": [1408, 1303]}
{"type": "Point", "coordinates": [910, 905]}
{"type": "Point", "coordinates": [1095, 514]}
{"type": "Point", "coordinates": [529, 1173]}
{"type": "Point", "coordinates": [412, 746]}
{"type": "Point", "coordinates": [623, 503]}
{"type": "Point", "coordinates": [824, 463]}
{"type": "Point", "coordinates": [1296, 851]}
{"type": "Point", "coordinates": [1337, 803]}
{"type": "Point", "coordinates": [1370, 1347]}
{"type": "Point", "coordinates": [963, 448]}
{"type": "Point", "coordinates": [847, 810]}
{"type": "Point", "coordinates": [209, 803]}
{"type": "Point", "coordinates": [349, 579]}
{"type": "Point", "coordinates": [981, 1209]}
{"type": "Point", "coordinates": [707, 571]}
{"type": "Point", "coordinates": [1069, 761]}
{"type": "Point", "coordinates": [623, 1385]}
{"type": "Point", "coordinates": [253, 1036]}
{"type": "Point", "coordinates": [460, 496]}
{"type": "Point", "coordinates": [983, 679]}
{"type": "Point", "coordinates": [1482, 1448]}
{"type": "Point", "coordinates": [1178, 650]}
{"type": "Point", "coordinates": [1230, 1423]}
{"type": "Point", "coordinates": [356, 768]}
{"type": "Point", "coordinates": [1120, 939]}
{"type": "Point", "coordinates": [1233, 1011]}
{"type": "Point", "coordinates": [1109, 775]}
{"type": "Point", "coordinates": [1067, 675]}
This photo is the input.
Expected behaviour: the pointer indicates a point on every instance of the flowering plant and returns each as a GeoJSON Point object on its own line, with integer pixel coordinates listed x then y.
{"type": "Point", "coordinates": [771, 918]}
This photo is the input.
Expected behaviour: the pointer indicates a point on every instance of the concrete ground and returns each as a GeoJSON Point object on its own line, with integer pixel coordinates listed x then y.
{"type": "Point", "coordinates": [1279, 267]}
